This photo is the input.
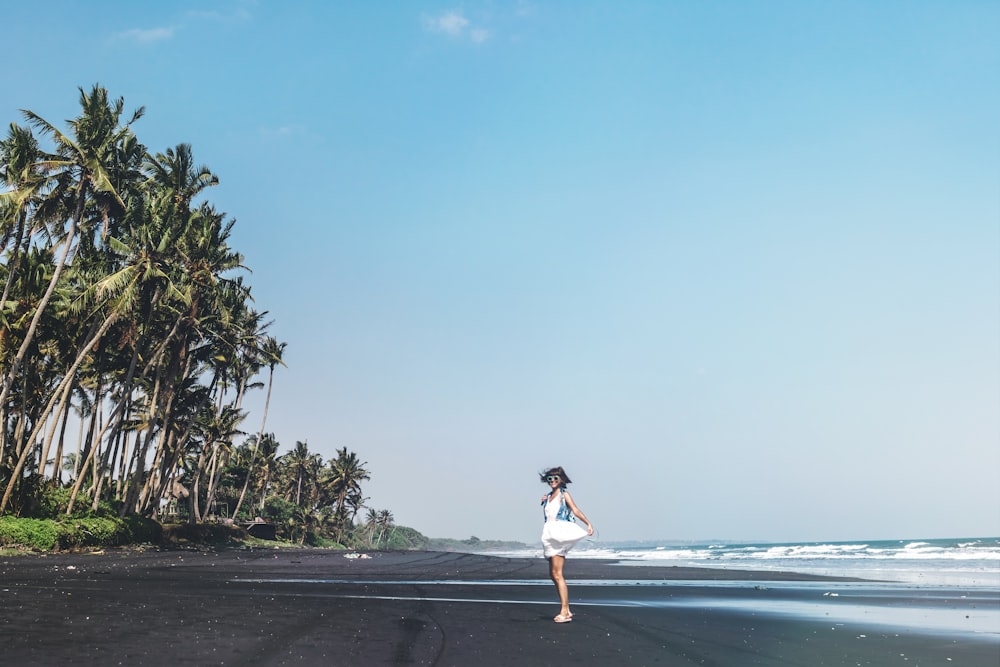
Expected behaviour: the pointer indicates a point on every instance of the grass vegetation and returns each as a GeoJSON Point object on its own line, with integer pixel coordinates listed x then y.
{"type": "Point", "coordinates": [52, 529]}
{"type": "Point", "coordinates": [19, 535]}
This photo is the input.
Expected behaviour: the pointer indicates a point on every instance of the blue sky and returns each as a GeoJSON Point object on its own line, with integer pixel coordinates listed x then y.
{"type": "Point", "coordinates": [735, 266]}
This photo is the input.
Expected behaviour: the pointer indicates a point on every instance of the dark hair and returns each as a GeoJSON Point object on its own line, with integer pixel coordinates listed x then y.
{"type": "Point", "coordinates": [564, 478]}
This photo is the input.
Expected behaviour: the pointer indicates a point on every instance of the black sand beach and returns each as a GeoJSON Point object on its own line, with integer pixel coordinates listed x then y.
{"type": "Point", "coordinates": [311, 607]}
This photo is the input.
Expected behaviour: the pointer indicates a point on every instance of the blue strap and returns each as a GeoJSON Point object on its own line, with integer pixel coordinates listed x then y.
{"type": "Point", "coordinates": [564, 513]}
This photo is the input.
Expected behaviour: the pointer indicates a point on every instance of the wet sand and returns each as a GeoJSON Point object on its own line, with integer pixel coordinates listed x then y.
{"type": "Point", "coordinates": [314, 607]}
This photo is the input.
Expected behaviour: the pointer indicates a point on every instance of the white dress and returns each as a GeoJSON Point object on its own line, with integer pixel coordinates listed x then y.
{"type": "Point", "coordinates": [559, 535]}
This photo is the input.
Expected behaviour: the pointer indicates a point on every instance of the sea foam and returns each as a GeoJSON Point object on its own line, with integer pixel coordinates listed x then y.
{"type": "Point", "coordinates": [965, 562]}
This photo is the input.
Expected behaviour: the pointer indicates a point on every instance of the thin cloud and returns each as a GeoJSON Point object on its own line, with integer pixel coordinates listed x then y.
{"type": "Point", "coordinates": [451, 23]}
{"type": "Point", "coordinates": [454, 24]}
{"type": "Point", "coordinates": [147, 36]}
{"type": "Point", "coordinates": [289, 133]}
{"type": "Point", "coordinates": [524, 8]}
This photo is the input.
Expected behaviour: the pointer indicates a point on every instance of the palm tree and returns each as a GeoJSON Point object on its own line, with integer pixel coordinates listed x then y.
{"type": "Point", "coordinates": [217, 429]}
{"type": "Point", "coordinates": [267, 453]}
{"type": "Point", "coordinates": [344, 477]}
{"type": "Point", "coordinates": [300, 468]}
{"type": "Point", "coordinates": [355, 503]}
{"type": "Point", "coordinates": [271, 350]}
{"type": "Point", "coordinates": [371, 523]}
{"type": "Point", "coordinates": [174, 171]}
{"type": "Point", "coordinates": [19, 171]}
{"type": "Point", "coordinates": [119, 304]}
{"type": "Point", "coordinates": [143, 279]}
{"type": "Point", "coordinates": [385, 521]}
{"type": "Point", "coordinates": [15, 315]}
{"type": "Point", "coordinates": [80, 168]}
{"type": "Point", "coordinates": [206, 312]}
{"type": "Point", "coordinates": [82, 162]}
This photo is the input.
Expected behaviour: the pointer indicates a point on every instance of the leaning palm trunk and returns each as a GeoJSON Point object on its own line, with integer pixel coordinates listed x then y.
{"type": "Point", "coordinates": [65, 405]}
{"type": "Point", "coordinates": [15, 366]}
{"type": "Point", "coordinates": [90, 452]}
{"type": "Point", "coordinates": [123, 459]}
{"type": "Point", "coordinates": [263, 491]}
{"type": "Point", "coordinates": [88, 157]}
{"type": "Point", "coordinates": [15, 264]}
{"type": "Point", "coordinates": [144, 483]}
{"type": "Point", "coordinates": [170, 452]}
{"type": "Point", "coordinates": [60, 391]}
{"type": "Point", "coordinates": [57, 458]}
{"type": "Point", "coordinates": [214, 465]}
{"type": "Point", "coordinates": [137, 476]}
{"type": "Point", "coordinates": [13, 268]}
{"type": "Point", "coordinates": [148, 497]}
{"type": "Point", "coordinates": [114, 418]}
{"type": "Point", "coordinates": [135, 484]}
{"type": "Point", "coordinates": [168, 465]}
{"type": "Point", "coordinates": [154, 472]}
{"type": "Point", "coordinates": [24, 418]}
{"type": "Point", "coordinates": [256, 445]}
{"type": "Point", "coordinates": [100, 477]}
{"type": "Point", "coordinates": [194, 510]}
{"type": "Point", "coordinates": [106, 467]}
{"type": "Point", "coordinates": [61, 417]}
{"type": "Point", "coordinates": [83, 460]}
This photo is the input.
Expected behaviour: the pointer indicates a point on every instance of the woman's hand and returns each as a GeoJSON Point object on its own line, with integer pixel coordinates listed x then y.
{"type": "Point", "coordinates": [590, 529]}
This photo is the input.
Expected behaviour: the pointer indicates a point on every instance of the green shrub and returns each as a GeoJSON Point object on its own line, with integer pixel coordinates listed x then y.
{"type": "Point", "coordinates": [52, 501]}
{"type": "Point", "coordinates": [40, 534]}
{"type": "Point", "coordinates": [279, 510]}
{"type": "Point", "coordinates": [77, 532]}
{"type": "Point", "coordinates": [401, 538]}
{"type": "Point", "coordinates": [315, 540]}
{"type": "Point", "coordinates": [88, 532]}
{"type": "Point", "coordinates": [110, 508]}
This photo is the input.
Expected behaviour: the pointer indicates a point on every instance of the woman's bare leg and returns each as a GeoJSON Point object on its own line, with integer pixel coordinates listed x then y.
{"type": "Point", "coordinates": [556, 573]}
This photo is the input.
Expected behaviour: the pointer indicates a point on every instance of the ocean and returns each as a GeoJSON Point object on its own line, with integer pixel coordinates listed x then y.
{"type": "Point", "coordinates": [965, 563]}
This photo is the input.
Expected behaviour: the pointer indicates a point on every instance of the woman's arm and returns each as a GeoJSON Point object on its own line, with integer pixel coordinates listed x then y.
{"type": "Point", "coordinates": [578, 512]}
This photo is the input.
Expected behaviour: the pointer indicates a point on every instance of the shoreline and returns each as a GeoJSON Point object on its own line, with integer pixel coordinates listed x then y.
{"type": "Point", "coordinates": [307, 606]}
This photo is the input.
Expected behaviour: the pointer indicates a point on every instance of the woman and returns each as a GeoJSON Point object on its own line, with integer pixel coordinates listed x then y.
{"type": "Point", "coordinates": [560, 534]}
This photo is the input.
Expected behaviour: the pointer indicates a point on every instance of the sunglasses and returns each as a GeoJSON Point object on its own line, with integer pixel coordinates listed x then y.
{"type": "Point", "coordinates": [552, 478]}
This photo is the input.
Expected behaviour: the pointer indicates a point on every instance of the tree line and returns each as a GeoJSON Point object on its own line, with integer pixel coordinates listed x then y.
{"type": "Point", "coordinates": [129, 340]}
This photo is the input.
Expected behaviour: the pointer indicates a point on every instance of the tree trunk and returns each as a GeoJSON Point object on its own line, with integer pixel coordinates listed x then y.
{"type": "Point", "coordinates": [15, 262]}
{"type": "Point", "coordinates": [12, 270]}
{"type": "Point", "coordinates": [67, 378]}
{"type": "Point", "coordinates": [136, 474]}
{"type": "Point", "coordinates": [168, 467]}
{"type": "Point", "coordinates": [194, 512]}
{"type": "Point", "coordinates": [213, 480]}
{"type": "Point", "coordinates": [121, 484]}
{"type": "Point", "coordinates": [57, 459]}
{"type": "Point", "coordinates": [256, 447]}
{"type": "Point", "coordinates": [29, 335]}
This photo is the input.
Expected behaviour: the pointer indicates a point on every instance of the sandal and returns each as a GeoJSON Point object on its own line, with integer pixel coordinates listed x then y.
{"type": "Point", "coordinates": [563, 618]}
